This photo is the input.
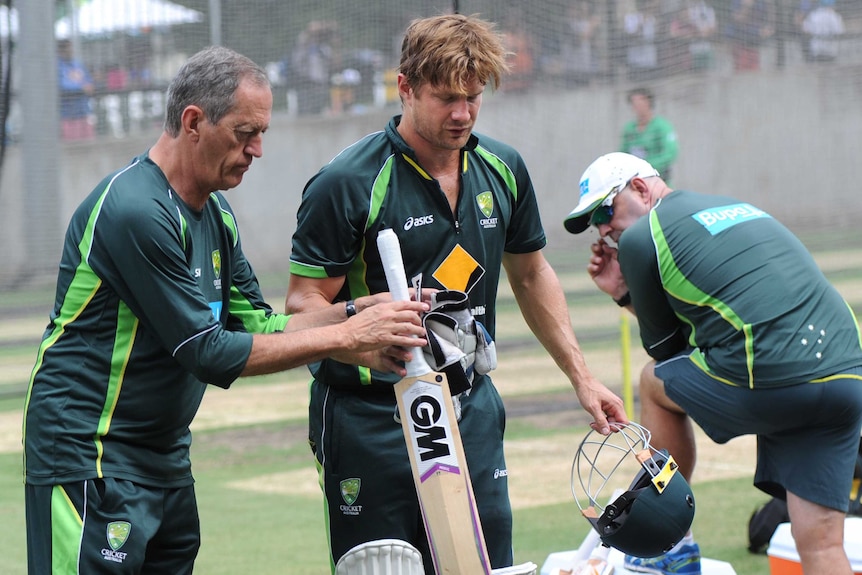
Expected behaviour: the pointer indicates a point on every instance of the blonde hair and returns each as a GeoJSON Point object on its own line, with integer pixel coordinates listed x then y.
{"type": "Point", "coordinates": [450, 51]}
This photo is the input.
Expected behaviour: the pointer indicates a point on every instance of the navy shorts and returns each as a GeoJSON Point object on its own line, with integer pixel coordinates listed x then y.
{"type": "Point", "coordinates": [807, 434]}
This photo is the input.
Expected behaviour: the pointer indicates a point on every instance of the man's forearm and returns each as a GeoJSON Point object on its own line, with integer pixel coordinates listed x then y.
{"type": "Point", "coordinates": [328, 315]}
{"type": "Point", "coordinates": [543, 305]}
{"type": "Point", "coordinates": [271, 353]}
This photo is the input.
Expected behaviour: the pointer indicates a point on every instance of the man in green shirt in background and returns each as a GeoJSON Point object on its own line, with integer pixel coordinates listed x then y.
{"type": "Point", "coordinates": [648, 136]}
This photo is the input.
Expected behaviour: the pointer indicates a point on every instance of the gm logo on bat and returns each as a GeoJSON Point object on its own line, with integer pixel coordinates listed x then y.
{"type": "Point", "coordinates": [431, 431]}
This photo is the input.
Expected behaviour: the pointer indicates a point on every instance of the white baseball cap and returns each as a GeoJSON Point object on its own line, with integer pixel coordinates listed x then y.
{"type": "Point", "coordinates": [599, 179]}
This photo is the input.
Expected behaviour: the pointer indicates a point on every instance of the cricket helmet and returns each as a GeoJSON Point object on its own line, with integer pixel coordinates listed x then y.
{"type": "Point", "coordinates": [649, 516]}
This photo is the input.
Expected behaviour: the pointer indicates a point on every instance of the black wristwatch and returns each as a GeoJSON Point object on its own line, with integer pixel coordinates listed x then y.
{"type": "Point", "coordinates": [350, 308]}
{"type": "Point", "coordinates": [625, 300]}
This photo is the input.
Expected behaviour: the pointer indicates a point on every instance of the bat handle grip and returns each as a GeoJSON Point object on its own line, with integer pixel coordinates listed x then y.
{"type": "Point", "coordinates": [396, 278]}
{"type": "Point", "coordinates": [393, 264]}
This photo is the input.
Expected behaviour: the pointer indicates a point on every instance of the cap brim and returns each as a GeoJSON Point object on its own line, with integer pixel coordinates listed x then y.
{"type": "Point", "coordinates": [579, 218]}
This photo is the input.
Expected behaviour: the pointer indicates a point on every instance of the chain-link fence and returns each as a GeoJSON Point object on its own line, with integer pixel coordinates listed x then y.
{"type": "Point", "coordinates": [764, 95]}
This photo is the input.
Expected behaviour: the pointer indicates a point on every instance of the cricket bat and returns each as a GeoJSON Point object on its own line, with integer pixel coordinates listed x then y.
{"type": "Point", "coordinates": [434, 445]}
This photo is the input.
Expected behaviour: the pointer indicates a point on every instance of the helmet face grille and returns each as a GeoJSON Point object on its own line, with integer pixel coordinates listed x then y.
{"type": "Point", "coordinates": [643, 517]}
{"type": "Point", "coordinates": [605, 464]}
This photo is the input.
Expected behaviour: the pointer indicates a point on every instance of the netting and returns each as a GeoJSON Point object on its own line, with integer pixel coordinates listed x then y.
{"type": "Point", "coordinates": [763, 96]}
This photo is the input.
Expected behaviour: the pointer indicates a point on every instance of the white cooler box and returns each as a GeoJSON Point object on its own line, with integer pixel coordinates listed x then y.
{"type": "Point", "coordinates": [784, 560]}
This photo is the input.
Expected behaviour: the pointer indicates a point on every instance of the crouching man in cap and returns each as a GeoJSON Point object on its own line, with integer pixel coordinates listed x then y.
{"type": "Point", "coordinates": [746, 336]}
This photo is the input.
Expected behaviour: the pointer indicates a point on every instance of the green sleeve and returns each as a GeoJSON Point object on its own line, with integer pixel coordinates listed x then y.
{"type": "Point", "coordinates": [666, 145]}
{"type": "Point", "coordinates": [626, 138]}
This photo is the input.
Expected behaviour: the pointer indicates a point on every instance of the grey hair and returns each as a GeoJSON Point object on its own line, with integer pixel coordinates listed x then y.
{"type": "Point", "coordinates": [209, 79]}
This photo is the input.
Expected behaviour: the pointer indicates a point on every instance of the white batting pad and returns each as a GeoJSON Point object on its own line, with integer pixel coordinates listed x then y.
{"type": "Point", "coordinates": [381, 557]}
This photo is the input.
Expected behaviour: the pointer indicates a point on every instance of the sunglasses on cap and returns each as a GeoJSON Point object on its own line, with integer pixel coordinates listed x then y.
{"type": "Point", "coordinates": [605, 210]}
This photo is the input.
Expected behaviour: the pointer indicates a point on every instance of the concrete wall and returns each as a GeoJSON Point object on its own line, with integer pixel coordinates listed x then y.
{"type": "Point", "coordinates": [790, 142]}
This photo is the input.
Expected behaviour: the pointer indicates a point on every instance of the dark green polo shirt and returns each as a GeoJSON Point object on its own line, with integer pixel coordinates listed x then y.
{"type": "Point", "coordinates": [154, 300]}
{"type": "Point", "coordinates": [377, 183]}
{"type": "Point", "coordinates": [725, 277]}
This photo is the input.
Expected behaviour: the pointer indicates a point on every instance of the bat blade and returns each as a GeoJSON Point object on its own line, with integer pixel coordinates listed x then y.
{"type": "Point", "coordinates": [441, 476]}
{"type": "Point", "coordinates": [436, 453]}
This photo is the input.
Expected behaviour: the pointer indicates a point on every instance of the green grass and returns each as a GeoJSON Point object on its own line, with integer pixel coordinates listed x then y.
{"type": "Point", "coordinates": [263, 534]}
{"type": "Point", "coordinates": [13, 554]}
{"type": "Point", "coordinates": [720, 525]}
{"type": "Point", "coordinates": [251, 532]}
{"type": "Point", "coordinates": [273, 533]}
{"type": "Point", "coordinates": [246, 531]}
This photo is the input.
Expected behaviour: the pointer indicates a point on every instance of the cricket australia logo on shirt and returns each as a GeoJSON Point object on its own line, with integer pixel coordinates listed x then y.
{"type": "Point", "coordinates": [350, 493]}
{"type": "Point", "coordinates": [485, 201]}
{"type": "Point", "coordinates": [216, 306]}
{"type": "Point", "coordinates": [117, 534]}
{"type": "Point", "coordinates": [216, 258]}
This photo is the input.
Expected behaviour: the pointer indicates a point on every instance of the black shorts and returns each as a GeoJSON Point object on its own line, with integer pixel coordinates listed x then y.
{"type": "Point", "coordinates": [111, 526]}
{"type": "Point", "coordinates": [367, 479]}
{"type": "Point", "coordinates": [807, 434]}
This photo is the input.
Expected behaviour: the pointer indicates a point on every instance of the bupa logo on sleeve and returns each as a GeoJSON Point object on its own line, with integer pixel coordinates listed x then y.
{"type": "Point", "coordinates": [718, 219]}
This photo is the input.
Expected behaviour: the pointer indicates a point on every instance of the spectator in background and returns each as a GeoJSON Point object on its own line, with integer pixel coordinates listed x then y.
{"type": "Point", "coordinates": [701, 17]}
{"type": "Point", "coordinates": [823, 26]}
{"type": "Point", "coordinates": [312, 65]}
{"type": "Point", "coordinates": [115, 77]}
{"type": "Point", "coordinates": [641, 30]}
{"type": "Point", "coordinates": [802, 10]}
{"type": "Point", "coordinates": [648, 136]}
{"type": "Point", "coordinates": [676, 56]}
{"type": "Point", "coordinates": [750, 25]}
{"type": "Point", "coordinates": [692, 26]}
{"type": "Point", "coordinates": [521, 58]}
{"type": "Point", "coordinates": [139, 55]}
{"type": "Point", "coordinates": [76, 88]}
{"type": "Point", "coordinates": [578, 50]}
{"type": "Point", "coordinates": [342, 94]}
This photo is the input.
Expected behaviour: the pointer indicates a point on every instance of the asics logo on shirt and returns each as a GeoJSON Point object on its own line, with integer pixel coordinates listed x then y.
{"type": "Point", "coordinates": [418, 221]}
